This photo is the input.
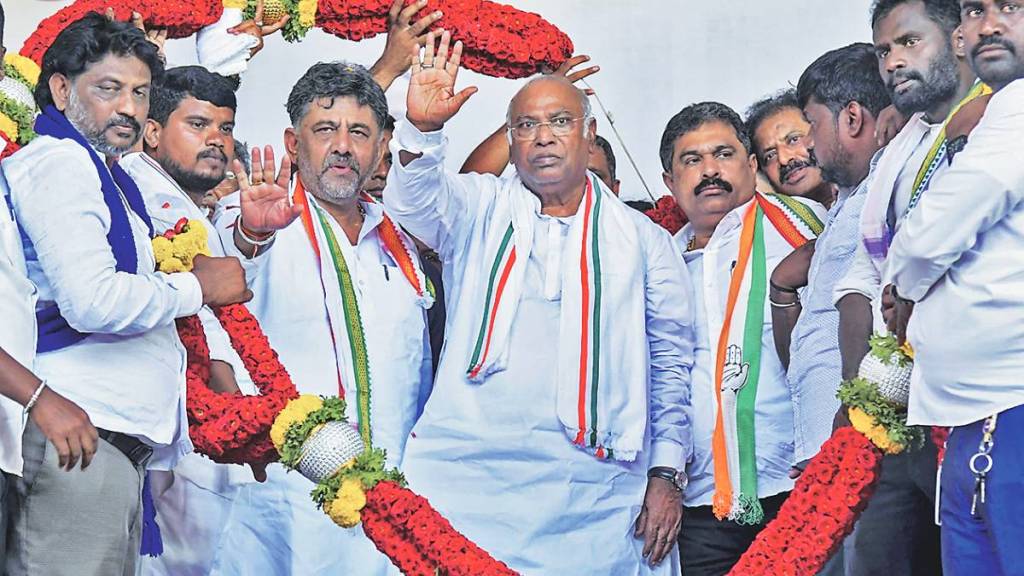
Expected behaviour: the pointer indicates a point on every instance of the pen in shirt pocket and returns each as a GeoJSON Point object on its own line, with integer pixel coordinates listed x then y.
{"type": "Point", "coordinates": [387, 276]}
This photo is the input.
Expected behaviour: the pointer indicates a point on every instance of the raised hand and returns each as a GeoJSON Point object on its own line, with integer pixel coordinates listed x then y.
{"type": "Point", "coordinates": [566, 70]}
{"type": "Point", "coordinates": [256, 27]}
{"type": "Point", "coordinates": [404, 35]}
{"type": "Point", "coordinates": [432, 99]}
{"type": "Point", "coordinates": [265, 203]}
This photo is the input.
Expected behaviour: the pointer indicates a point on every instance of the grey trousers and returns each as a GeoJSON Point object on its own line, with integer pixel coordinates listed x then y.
{"type": "Point", "coordinates": [896, 535]}
{"type": "Point", "coordinates": [80, 523]}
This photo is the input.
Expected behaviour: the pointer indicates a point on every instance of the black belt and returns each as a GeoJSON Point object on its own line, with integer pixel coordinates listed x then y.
{"type": "Point", "coordinates": [134, 449]}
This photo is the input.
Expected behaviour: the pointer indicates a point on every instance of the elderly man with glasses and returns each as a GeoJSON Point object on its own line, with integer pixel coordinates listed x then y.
{"type": "Point", "coordinates": [561, 412]}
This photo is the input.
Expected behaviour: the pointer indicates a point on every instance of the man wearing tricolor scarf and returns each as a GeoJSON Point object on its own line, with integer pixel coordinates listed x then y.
{"type": "Point", "coordinates": [742, 413]}
{"type": "Point", "coordinates": [343, 299]}
{"type": "Point", "coordinates": [929, 80]}
{"type": "Point", "coordinates": [564, 380]}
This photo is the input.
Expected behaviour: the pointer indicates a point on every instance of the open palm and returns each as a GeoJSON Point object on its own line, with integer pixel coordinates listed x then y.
{"type": "Point", "coordinates": [432, 99]}
{"type": "Point", "coordinates": [265, 202]}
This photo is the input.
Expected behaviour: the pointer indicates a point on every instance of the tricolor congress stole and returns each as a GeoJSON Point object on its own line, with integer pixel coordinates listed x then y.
{"type": "Point", "coordinates": [738, 360]}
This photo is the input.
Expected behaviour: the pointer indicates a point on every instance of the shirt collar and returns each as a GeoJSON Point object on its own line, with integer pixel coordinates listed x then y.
{"type": "Point", "coordinates": [373, 215]}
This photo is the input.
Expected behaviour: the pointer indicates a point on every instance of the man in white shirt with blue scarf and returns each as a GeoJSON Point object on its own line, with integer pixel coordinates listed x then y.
{"type": "Point", "coordinates": [106, 320]}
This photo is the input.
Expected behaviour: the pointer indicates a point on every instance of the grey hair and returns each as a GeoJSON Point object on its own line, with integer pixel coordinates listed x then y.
{"type": "Point", "coordinates": [337, 80]}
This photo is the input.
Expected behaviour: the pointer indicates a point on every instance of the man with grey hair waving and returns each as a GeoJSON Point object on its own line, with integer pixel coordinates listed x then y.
{"type": "Point", "coordinates": [561, 415]}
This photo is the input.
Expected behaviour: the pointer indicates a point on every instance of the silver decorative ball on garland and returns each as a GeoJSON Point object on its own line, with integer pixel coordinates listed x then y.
{"type": "Point", "coordinates": [328, 449]}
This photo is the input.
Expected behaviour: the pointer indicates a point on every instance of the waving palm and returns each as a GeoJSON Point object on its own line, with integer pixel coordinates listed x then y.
{"type": "Point", "coordinates": [432, 99]}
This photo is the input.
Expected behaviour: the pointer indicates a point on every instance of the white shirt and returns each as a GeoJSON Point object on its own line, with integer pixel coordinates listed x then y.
{"type": "Point", "coordinates": [893, 174]}
{"type": "Point", "coordinates": [129, 373]}
{"type": "Point", "coordinates": [298, 315]}
{"type": "Point", "coordinates": [711, 271]}
{"type": "Point", "coordinates": [958, 255]}
{"type": "Point", "coordinates": [493, 457]}
{"type": "Point", "coordinates": [18, 337]}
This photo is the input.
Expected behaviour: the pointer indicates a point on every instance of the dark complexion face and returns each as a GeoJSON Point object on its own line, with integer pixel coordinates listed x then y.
{"type": "Point", "coordinates": [994, 39]}
{"type": "Point", "coordinates": [916, 59]}
{"type": "Point", "coordinates": [786, 153]}
{"type": "Point", "coordinates": [195, 143]}
{"type": "Point", "coordinates": [598, 164]}
{"type": "Point", "coordinates": [375, 185]}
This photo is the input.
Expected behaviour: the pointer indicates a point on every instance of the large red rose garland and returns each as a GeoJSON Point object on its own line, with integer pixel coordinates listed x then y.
{"type": "Point", "coordinates": [667, 214]}
{"type": "Point", "coordinates": [499, 40]}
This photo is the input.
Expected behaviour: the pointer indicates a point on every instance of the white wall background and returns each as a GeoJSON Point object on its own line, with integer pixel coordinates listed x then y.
{"type": "Point", "coordinates": [656, 56]}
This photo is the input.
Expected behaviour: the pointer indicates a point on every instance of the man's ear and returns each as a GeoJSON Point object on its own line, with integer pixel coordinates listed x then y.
{"type": "Point", "coordinates": [615, 187]}
{"type": "Point", "coordinates": [60, 90]}
{"type": "Point", "coordinates": [291, 144]}
{"type": "Point", "coordinates": [666, 177]}
{"type": "Point", "coordinates": [853, 120]}
{"type": "Point", "coordinates": [959, 47]}
{"type": "Point", "coordinates": [151, 135]}
{"type": "Point", "coordinates": [752, 163]}
{"type": "Point", "coordinates": [591, 135]}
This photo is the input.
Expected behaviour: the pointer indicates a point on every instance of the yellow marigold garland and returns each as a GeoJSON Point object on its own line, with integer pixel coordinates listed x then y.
{"type": "Point", "coordinates": [878, 435]}
{"type": "Point", "coordinates": [236, 4]}
{"type": "Point", "coordinates": [9, 127]}
{"type": "Point", "coordinates": [349, 500]}
{"type": "Point", "coordinates": [307, 12]}
{"type": "Point", "coordinates": [296, 411]}
{"type": "Point", "coordinates": [174, 251]}
{"type": "Point", "coordinates": [28, 69]}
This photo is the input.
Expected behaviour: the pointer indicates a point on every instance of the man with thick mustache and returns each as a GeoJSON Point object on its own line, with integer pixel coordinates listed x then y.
{"type": "Point", "coordinates": [739, 474]}
{"type": "Point", "coordinates": [558, 427]}
{"type": "Point", "coordinates": [785, 152]}
{"type": "Point", "coordinates": [107, 339]}
{"type": "Point", "coordinates": [343, 298]}
{"type": "Point", "coordinates": [957, 254]}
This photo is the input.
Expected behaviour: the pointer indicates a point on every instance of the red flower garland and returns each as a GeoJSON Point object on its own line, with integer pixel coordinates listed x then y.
{"type": "Point", "coordinates": [940, 435]}
{"type": "Point", "coordinates": [667, 214]}
{"type": "Point", "coordinates": [180, 18]}
{"type": "Point", "coordinates": [420, 542]}
{"type": "Point", "coordinates": [8, 147]}
{"type": "Point", "coordinates": [499, 40]}
{"type": "Point", "coordinates": [234, 428]}
{"type": "Point", "coordinates": [820, 511]}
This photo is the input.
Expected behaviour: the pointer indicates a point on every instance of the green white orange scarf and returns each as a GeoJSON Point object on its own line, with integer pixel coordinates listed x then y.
{"type": "Point", "coordinates": [602, 396]}
{"type": "Point", "coordinates": [355, 363]}
{"type": "Point", "coordinates": [738, 356]}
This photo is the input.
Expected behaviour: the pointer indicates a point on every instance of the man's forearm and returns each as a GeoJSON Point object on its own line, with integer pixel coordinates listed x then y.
{"type": "Point", "coordinates": [784, 319]}
{"type": "Point", "coordinates": [491, 156]}
{"type": "Point", "coordinates": [855, 323]}
{"type": "Point", "coordinates": [16, 381]}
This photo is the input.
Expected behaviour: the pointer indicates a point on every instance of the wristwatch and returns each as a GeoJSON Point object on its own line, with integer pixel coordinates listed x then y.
{"type": "Point", "coordinates": [676, 477]}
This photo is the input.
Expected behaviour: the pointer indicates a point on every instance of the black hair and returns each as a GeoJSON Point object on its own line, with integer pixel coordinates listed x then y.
{"type": "Point", "coordinates": [242, 154]}
{"type": "Point", "coordinates": [766, 108]}
{"type": "Point", "coordinates": [609, 155]}
{"type": "Point", "coordinates": [845, 75]}
{"type": "Point", "coordinates": [337, 80]}
{"type": "Point", "coordinates": [389, 123]}
{"type": "Point", "coordinates": [639, 205]}
{"type": "Point", "coordinates": [87, 41]}
{"type": "Point", "coordinates": [2, 21]}
{"type": "Point", "coordinates": [945, 13]}
{"type": "Point", "coordinates": [693, 117]}
{"type": "Point", "coordinates": [183, 81]}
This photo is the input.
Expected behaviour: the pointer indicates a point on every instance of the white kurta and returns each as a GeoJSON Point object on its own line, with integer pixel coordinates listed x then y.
{"type": "Point", "coordinates": [493, 457]}
{"type": "Point", "coordinates": [274, 527]}
{"type": "Point", "coordinates": [194, 499]}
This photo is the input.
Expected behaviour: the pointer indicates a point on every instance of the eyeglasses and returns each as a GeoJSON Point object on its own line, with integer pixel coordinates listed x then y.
{"type": "Point", "coordinates": [527, 129]}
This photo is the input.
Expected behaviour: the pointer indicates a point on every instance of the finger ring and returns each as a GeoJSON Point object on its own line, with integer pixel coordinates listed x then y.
{"type": "Point", "coordinates": [229, 175]}
{"type": "Point", "coordinates": [425, 65]}
{"type": "Point", "coordinates": [258, 22]}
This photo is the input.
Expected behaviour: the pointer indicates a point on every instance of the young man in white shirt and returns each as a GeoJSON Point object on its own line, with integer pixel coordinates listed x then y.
{"type": "Point", "coordinates": [106, 320]}
{"type": "Point", "coordinates": [956, 261]}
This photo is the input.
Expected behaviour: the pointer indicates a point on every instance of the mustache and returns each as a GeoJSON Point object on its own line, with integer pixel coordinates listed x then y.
{"type": "Point", "coordinates": [902, 75]}
{"type": "Point", "coordinates": [794, 165]}
{"type": "Point", "coordinates": [123, 121]}
{"type": "Point", "coordinates": [215, 153]}
{"type": "Point", "coordinates": [994, 41]}
{"type": "Point", "coordinates": [336, 160]}
{"type": "Point", "coordinates": [711, 183]}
